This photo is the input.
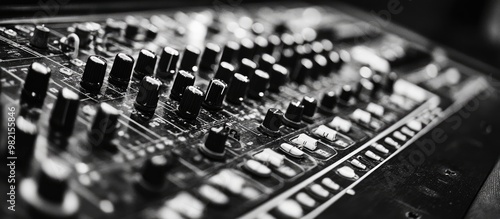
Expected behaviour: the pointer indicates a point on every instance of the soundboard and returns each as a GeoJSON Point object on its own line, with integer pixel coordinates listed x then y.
{"type": "Point", "coordinates": [297, 111]}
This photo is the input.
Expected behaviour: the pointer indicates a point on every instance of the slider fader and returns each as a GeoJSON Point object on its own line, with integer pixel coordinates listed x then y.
{"type": "Point", "coordinates": [302, 111]}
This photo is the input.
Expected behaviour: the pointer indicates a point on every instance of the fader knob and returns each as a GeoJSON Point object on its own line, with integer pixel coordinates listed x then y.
{"type": "Point", "coordinates": [190, 105]}
{"type": "Point", "coordinates": [181, 81]}
{"type": "Point", "coordinates": [40, 37]}
{"type": "Point", "coordinates": [145, 65]}
{"type": "Point", "coordinates": [147, 97]}
{"type": "Point", "coordinates": [153, 172]}
{"type": "Point", "coordinates": [121, 70]}
{"type": "Point", "coordinates": [190, 59]}
{"type": "Point", "coordinates": [310, 105]}
{"type": "Point", "coordinates": [293, 114]}
{"type": "Point", "coordinates": [35, 85]}
{"type": "Point", "coordinates": [215, 143]}
{"type": "Point", "coordinates": [209, 56]}
{"type": "Point", "coordinates": [237, 89]}
{"type": "Point", "coordinates": [277, 77]}
{"type": "Point", "coordinates": [225, 72]}
{"type": "Point", "coordinates": [216, 92]}
{"type": "Point", "coordinates": [230, 51]}
{"type": "Point", "coordinates": [167, 65]}
{"type": "Point", "coordinates": [272, 122]}
{"type": "Point", "coordinates": [93, 75]}
{"type": "Point", "coordinates": [328, 103]}
{"type": "Point", "coordinates": [104, 126]}
{"type": "Point", "coordinates": [63, 116]}
{"type": "Point", "coordinates": [259, 83]}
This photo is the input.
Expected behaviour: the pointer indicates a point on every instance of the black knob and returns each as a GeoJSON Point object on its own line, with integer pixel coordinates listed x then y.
{"type": "Point", "coordinates": [167, 65]}
{"type": "Point", "coordinates": [52, 181]}
{"type": "Point", "coordinates": [225, 72]}
{"type": "Point", "coordinates": [145, 65]}
{"type": "Point", "coordinates": [154, 170]}
{"type": "Point", "coordinates": [266, 62]}
{"type": "Point", "coordinates": [328, 103]}
{"type": "Point", "coordinates": [288, 59]}
{"type": "Point", "coordinates": [190, 105]}
{"type": "Point", "coordinates": [293, 114]}
{"type": "Point", "coordinates": [151, 32]}
{"type": "Point", "coordinates": [209, 56]}
{"type": "Point", "coordinates": [247, 49]}
{"type": "Point", "coordinates": [390, 81]}
{"type": "Point", "coordinates": [302, 71]}
{"type": "Point", "coordinates": [62, 119]}
{"type": "Point", "coordinates": [247, 67]}
{"type": "Point", "coordinates": [261, 44]}
{"type": "Point", "coordinates": [310, 104]}
{"type": "Point", "coordinates": [104, 126]}
{"type": "Point", "coordinates": [215, 143]}
{"type": "Point", "coordinates": [26, 133]}
{"type": "Point", "coordinates": [40, 37]}
{"type": "Point", "coordinates": [273, 43]}
{"type": "Point", "coordinates": [93, 75]}
{"type": "Point", "coordinates": [190, 59]}
{"type": "Point", "coordinates": [364, 89]}
{"type": "Point", "coordinates": [147, 97]}
{"type": "Point", "coordinates": [258, 85]}
{"type": "Point", "coordinates": [181, 81]}
{"type": "Point", "coordinates": [334, 61]}
{"type": "Point", "coordinates": [35, 85]}
{"type": "Point", "coordinates": [287, 40]}
{"type": "Point", "coordinates": [345, 94]}
{"type": "Point", "coordinates": [237, 89]}
{"type": "Point", "coordinates": [132, 28]}
{"type": "Point", "coordinates": [272, 122]}
{"type": "Point", "coordinates": [121, 70]}
{"type": "Point", "coordinates": [377, 84]}
{"type": "Point", "coordinates": [216, 92]}
{"type": "Point", "coordinates": [319, 66]}
{"type": "Point", "coordinates": [230, 51]}
{"type": "Point", "coordinates": [84, 34]}
{"type": "Point", "coordinates": [277, 77]}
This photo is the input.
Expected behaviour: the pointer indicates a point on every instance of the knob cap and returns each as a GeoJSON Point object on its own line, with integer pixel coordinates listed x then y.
{"type": "Point", "coordinates": [145, 65]}
{"type": "Point", "coordinates": [266, 62]}
{"type": "Point", "coordinates": [104, 126]}
{"type": "Point", "coordinates": [230, 51]}
{"type": "Point", "coordinates": [345, 94]}
{"type": "Point", "coordinates": [132, 28]}
{"type": "Point", "coordinates": [237, 89]}
{"type": "Point", "coordinates": [272, 122]}
{"type": "Point", "coordinates": [209, 56]}
{"type": "Point", "coordinates": [121, 70]}
{"type": "Point", "coordinates": [35, 85]}
{"type": "Point", "coordinates": [93, 75]}
{"type": "Point", "coordinates": [215, 143]}
{"type": "Point", "coordinates": [247, 67]}
{"type": "Point", "coordinates": [190, 105]}
{"type": "Point", "coordinates": [225, 72]}
{"type": "Point", "coordinates": [181, 81]}
{"type": "Point", "coordinates": [151, 32]}
{"type": "Point", "coordinates": [154, 170]}
{"type": "Point", "coordinates": [377, 84]}
{"type": "Point", "coordinates": [390, 81]}
{"type": "Point", "coordinates": [26, 134]}
{"type": "Point", "coordinates": [302, 71]}
{"type": "Point", "coordinates": [277, 77]}
{"type": "Point", "coordinates": [247, 49]}
{"type": "Point", "coordinates": [310, 104]}
{"type": "Point", "coordinates": [364, 89]}
{"type": "Point", "coordinates": [167, 65]}
{"type": "Point", "coordinates": [288, 59]}
{"type": "Point", "coordinates": [40, 37]}
{"type": "Point", "coordinates": [215, 94]}
{"type": "Point", "coordinates": [62, 119]}
{"type": "Point", "coordinates": [293, 114]}
{"type": "Point", "coordinates": [334, 62]}
{"type": "Point", "coordinates": [147, 97]}
{"type": "Point", "coordinates": [190, 59]}
{"type": "Point", "coordinates": [328, 103]}
{"type": "Point", "coordinates": [258, 85]}
{"type": "Point", "coordinates": [319, 66]}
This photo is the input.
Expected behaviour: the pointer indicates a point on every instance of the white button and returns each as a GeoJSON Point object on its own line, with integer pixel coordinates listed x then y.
{"type": "Point", "coordinates": [341, 124]}
{"type": "Point", "coordinates": [350, 192]}
{"type": "Point", "coordinates": [305, 199]}
{"type": "Point", "coordinates": [265, 216]}
{"type": "Point", "coordinates": [306, 141]}
{"type": "Point", "coordinates": [391, 142]}
{"type": "Point", "coordinates": [372, 155]}
{"type": "Point", "coordinates": [326, 133]}
{"type": "Point", "coordinates": [291, 150]}
{"type": "Point", "coordinates": [414, 125]}
{"type": "Point", "coordinates": [329, 183]}
{"type": "Point", "coordinates": [187, 205]}
{"type": "Point", "coordinates": [362, 116]}
{"type": "Point", "coordinates": [319, 191]}
{"type": "Point", "coordinates": [407, 131]}
{"type": "Point", "coordinates": [290, 208]}
{"type": "Point", "coordinates": [250, 193]}
{"type": "Point", "coordinates": [257, 168]}
{"type": "Point", "coordinates": [398, 135]}
{"type": "Point", "coordinates": [213, 195]}
{"type": "Point", "coordinates": [358, 164]}
{"type": "Point", "coordinates": [288, 171]}
{"type": "Point", "coordinates": [167, 213]}
{"type": "Point", "coordinates": [375, 109]}
{"type": "Point", "coordinates": [347, 172]}
{"type": "Point", "coordinates": [380, 148]}
{"type": "Point", "coordinates": [229, 180]}
{"type": "Point", "coordinates": [270, 156]}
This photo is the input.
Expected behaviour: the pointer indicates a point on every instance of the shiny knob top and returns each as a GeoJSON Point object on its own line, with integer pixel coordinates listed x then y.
{"type": "Point", "coordinates": [237, 89]}
{"type": "Point", "coordinates": [168, 63]}
{"type": "Point", "coordinates": [145, 65]}
{"type": "Point", "coordinates": [230, 51]}
{"type": "Point", "coordinates": [147, 97]}
{"type": "Point", "coordinates": [190, 105]}
{"type": "Point", "coordinates": [104, 126]}
{"type": "Point", "coordinates": [225, 72]}
{"type": "Point", "coordinates": [272, 122]}
{"type": "Point", "coordinates": [266, 62]}
{"type": "Point", "coordinates": [93, 75]}
{"type": "Point", "coordinates": [190, 59]}
{"type": "Point", "coordinates": [277, 77]}
{"type": "Point", "coordinates": [63, 116]}
{"type": "Point", "coordinates": [247, 67]}
{"type": "Point", "coordinates": [181, 81]}
{"type": "Point", "coordinates": [310, 104]}
{"type": "Point", "coordinates": [328, 102]}
{"type": "Point", "coordinates": [40, 37]}
{"type": "Point", "coordinates": [216, 92]}
{"type": "Point", "coordinates": [121, 70]}
{"type": "Point", "coordinates": [35, 85]}
{"type": "Point", "coordinates": [209, 56]}
{"type": "Point", "coordinates": [258, 84]}
{"type": "Point", "coordinates": [293, 114]}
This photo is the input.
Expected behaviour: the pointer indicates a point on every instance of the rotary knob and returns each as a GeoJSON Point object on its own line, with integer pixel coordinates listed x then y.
{"type": "Point", "coordinates": [225, 72]}
{"type": "Point", "coordinates": [35, 85]}
{"type": "Point", "coordinates": [247, 49]}
{"type": "Point", "coordinates": [237, 89]}
{"type": "Point", "coordinates": [215, 143]}
{"type": "Point", "coordinates": [364, 89]}
{"type": "Point", "coordinates": [230, 51]}
{"type": "Point", "coordinates": [104, 127]}
{"type": "Point", "coordinates": [328, 103]}
{"type": "Point", "coordinates": [272, 122]}
{"type": "Point", "coordinates": [93, 75]}
{"type": "Point", "coordinates": [302, 71]}
{"type": "Point", "coordinates": [319, 66]}
{"type": "Point", "coordinates": [147, 97]}
{"type": "Point", "coordinates": [62, 119]}
{"type": "Point", "coordinates": [310, 105]}
{"type": "Point", "coordinates": [259, 83]}
{"type": "Point", "coordinates": [215, 95]}
{"type": "Point", "coordinates": [121, 70]}
{"type": "Point", "coordinates": [247, 67]}
{"type": "Point", "coordinates": [293, 114]}
{"type": "Point", "coordinates": [181, 81]}
{"type": "Point", "coordinates": [266, 62]}
{"type": "Point", "coordinates": [345, 94]}
{"type": "Point", "coordinates": [40, 37]}
{"type": "Point", "coordinates": [145, 65]}
{"type": "Point", "coordinates": [26, 134]}
{"type": "Point", "coordinates": [209, 56]}
{"type": "Point", "coordinates": [152, 176]}
{"type": "Point", "coordinates": [390, 81]}
{"type": "Point", "coordinates": [277, 78]}
{"type": "Point", "coordinates": [190, 59]}
{"type": "Point", "coordinates": [167, 65]}
{"type": "Point", "coordinates": [190, 105]}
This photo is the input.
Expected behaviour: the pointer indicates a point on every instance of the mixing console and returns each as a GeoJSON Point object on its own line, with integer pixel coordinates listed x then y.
{"type": "Point", "coordinates": [254, 112]}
